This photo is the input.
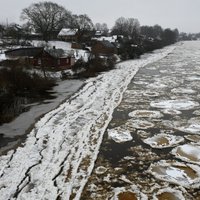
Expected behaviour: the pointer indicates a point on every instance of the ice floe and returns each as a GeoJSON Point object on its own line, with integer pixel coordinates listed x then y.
{"type": "Point", "coordinates": [193, 78]}
{"type": "Point", "coordinates": [196, 112]}
{"type": "Point", "coordinates": [138, 124]}
{"type": "Point", "coordinates": [171, 112]}
{"type": "Point", "coordinates": [188, 152]}
{"type": "Point", "coordinates": [163, 141]}
{"type": "Point", "coordinates": [186, 175]}
{"type": "Point", "coordinates": [190, 128]}
{"type": "Point", "coordinates": [168, 194]}
{"type": "Point", "coordinates": [145, 114]}
{"type": "Point", "coordinates": [143, 134]}
{"type": "Point", "coordinates": [193, 138]}
{"type": "Point", "coordinates": [175, 104]}
{"type": "Point", "coordinates": [119, 135]}
{"type": "Point", "coordinates": [183, 91]}
{"type": "Point", "coordinates": [157, 85]}
{"type": "Point", "coordinates": [131, 192]}
{"type": "Point", "coordinates": [100, 170]}
{"type": "Point", "coordinates": [150, 94]}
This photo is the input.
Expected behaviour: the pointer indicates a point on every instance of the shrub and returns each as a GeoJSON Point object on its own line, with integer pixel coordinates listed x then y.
{"type": "Point", "coordinates": [17, 81]}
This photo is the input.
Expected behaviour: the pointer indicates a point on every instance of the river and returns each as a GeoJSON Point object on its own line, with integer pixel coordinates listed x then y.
{"type": "Point", "coordinates": [151, 149]}
{"type": "Point", "coordinates": [12, 134]}
{"type": "Point", "coordinates": [129, 133]}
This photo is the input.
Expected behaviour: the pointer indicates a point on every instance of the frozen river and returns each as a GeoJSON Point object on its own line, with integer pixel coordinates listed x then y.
{"type": "Point", "coordinates": [151, 149]}
{"type": "Point", "coordinates": [130, 133]}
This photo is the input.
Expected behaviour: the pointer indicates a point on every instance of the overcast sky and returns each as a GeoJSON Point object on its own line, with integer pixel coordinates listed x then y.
{"type": "Point", "coordinates": [181, 14]}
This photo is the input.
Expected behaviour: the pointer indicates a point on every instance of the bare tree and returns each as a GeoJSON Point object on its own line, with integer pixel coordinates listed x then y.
{"type": "Point", "coordinates": [97, 26]}
{"type": "Point", "coordinates": [83, 24]}
{"type": "Point", "coordinates": [102, 27]}
{"type": "Point", "coordinates": [120, 26]}
{"type": "Point", "coordinates": [129, 27]}
{"type": "Point", "coordinates": [46, 17]}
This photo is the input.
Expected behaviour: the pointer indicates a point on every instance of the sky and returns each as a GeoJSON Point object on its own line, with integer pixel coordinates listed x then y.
{"type": "Point", "coordinates": [181, 14]}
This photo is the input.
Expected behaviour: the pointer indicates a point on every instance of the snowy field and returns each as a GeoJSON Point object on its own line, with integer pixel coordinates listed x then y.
{"type": "Point", "coordinates": [58, 155]}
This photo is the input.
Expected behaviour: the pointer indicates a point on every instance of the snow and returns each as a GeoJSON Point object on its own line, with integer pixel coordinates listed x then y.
{"type": "Point", "coordinates": [2, 57]}
{"type": "Point", "coordinates": [102, 38]}
{"type": "Point", "coordinates": [67, 32]}
{"type": "Point", "coordinates": [66, 46]}
{"type": "Point", "coordinates": [119, 135]}
{"type": "Point", "coordinates": [181, 104]}
{"type": "Point", "coordinates": [58, 155]}
{"type": "Point", "coordinates": [163, 141]}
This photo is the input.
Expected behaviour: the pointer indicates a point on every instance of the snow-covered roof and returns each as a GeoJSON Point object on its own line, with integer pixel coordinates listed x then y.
{"type": "Point", "coordinates": [110, 39]}
{"type": "Point", "coordinates": [67, 32]}
{"type": "Point", "coordinates": [2, 57]}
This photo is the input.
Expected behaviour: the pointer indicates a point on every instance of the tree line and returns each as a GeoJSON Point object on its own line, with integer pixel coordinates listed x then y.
{"type": "Point", "coordinates": [48, 18]}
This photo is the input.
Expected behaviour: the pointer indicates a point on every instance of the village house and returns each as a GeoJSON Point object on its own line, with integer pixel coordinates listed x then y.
{"type": "Point", "coordinates": [37, 56]}
{"type": "Point", "coordinates": [103, 48]}
{"type": "Point", "coordinates": [98, 33]}
{"type": "Point", "coordinates": [67, 34]}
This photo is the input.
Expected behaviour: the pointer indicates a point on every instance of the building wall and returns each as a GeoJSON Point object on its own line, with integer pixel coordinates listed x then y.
{"type": "Point", "coordinates": [63, 63]}
{"type": "Point", "coordinates": [101, 49]}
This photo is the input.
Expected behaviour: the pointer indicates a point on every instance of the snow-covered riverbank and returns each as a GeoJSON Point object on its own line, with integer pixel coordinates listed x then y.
{"type": "Point", "coordinates": [59, 154]}
{"type": "Point", "coordinates": [18, 127]}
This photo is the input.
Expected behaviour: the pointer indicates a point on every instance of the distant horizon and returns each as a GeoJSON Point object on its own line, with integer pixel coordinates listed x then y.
{"type": "Point", "coordinates": [181, 14]}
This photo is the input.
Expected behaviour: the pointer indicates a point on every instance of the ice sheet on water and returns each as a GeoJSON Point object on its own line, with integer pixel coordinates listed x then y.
{"type": "Point", "coordinates": [130, 192]}
{"type": "Point", "coordinates": [138, 124]}
{"type": "Point", "coordinates": [119, 135]}
{"type": "Point", "coordinates": [183, 91]}
{"type": "Point", "coordinates": [186, 175]}
{"type": "Point", "coordinates": [171, 112]}
{"type": "Point", "coordinates": [188, 152]}
{"type": "Point", "coordinates": [160, 141]}
{"type": "Point", "coordinates": [168, 193]}
{"type": "Point", "coordinates": [182, 104]}
{"type": "Point", "coordinates": [145, 114]}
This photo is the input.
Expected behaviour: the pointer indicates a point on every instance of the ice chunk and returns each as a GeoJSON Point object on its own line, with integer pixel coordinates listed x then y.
{"type": "Point", "coordinates": [119, 135]}
{"type": "Point", "coordinates": [175, 104]}
{"type": "Point", "coordinates": [145, 114]}
{"type": "Point", "coordinates": [186, 175]}
{"type": "Point", "coordinates": [163, 141]}
{"type": "Point", "coordinates": [188, 153]}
